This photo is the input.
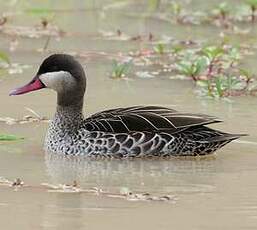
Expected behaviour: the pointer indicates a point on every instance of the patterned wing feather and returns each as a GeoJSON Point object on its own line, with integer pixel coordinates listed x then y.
{"type": "Point", "coordinates": [145, 118]}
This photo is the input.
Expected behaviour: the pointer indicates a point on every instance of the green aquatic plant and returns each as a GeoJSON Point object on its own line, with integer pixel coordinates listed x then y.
{"type": "Point", "coordinates": [39, 11]}
{"type": "Point", "coordinates": [4, 58]}
{"type": "Point", "coordinates": [247, 77]}
{"type": "Point", "coordinates": [120, 69]}
{"type": "Point", "coordinates": [159, 48]}
{"type": "Point", "coordinates": [214, 88]}
{"type": "Point", "coordinates": [176, 49]}
{"type": "Point", "coordinates": [7, 137]}
{"type": "Point", "coordinates": [222, 10]}
{"type": "Point", "coordinates": [222, 76]}
{"type": "Point", "coordinates": [227, 13]}
{"type": "Point", "coordinates": [153, 5]}
{"type": "Point", "coordinates": [45, 14]}
{"type": "Point", "coordinates": [205, 86]}
{"type": "Point", "coordinates": [173, 11]}
{"type": "Point", "coordinates": [232, 83]}
{"type": "Point", "coordinates": [253, 6]}
{"type": "Point", "coordinates": [193, 69]}
{"type": "Point", "coordinates": [233, 55]}
{"type": "Point", "coordinates": [220, 86]}
{"type": "Point", "coordinates": [212, 52]}
{"type": "Point", "coordinates": [215, 69]}
{"type": "Point", "coordinates": [225, 85]}
{"type": "Point", "coordinates": [176, 8]}
{"type": "Point", "coordinates": [5, 63]}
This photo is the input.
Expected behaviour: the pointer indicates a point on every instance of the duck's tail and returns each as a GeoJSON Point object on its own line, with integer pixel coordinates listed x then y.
{"type": "Point", "coordinates": [210, 145]}
{"type": "Point", "coordinates": [225, 137]}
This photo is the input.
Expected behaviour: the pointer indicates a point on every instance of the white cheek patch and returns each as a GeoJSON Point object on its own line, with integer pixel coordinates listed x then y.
{"type": "Point", "coordinates": [58, 81]}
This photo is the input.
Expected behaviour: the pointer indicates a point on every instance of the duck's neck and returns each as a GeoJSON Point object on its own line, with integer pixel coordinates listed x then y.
{"type": "Point", "coordinates": [68, 117]}
{"type": "Point", "coordinates": [63, 128]}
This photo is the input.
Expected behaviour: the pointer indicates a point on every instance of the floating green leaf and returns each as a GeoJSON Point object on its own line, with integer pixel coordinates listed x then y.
{"type": "Point", "coordinates": [7, 137]}
{"type": "Point", "coordinates": [4, 57]}
{"type": "Point", "coordinates": [39, 11]}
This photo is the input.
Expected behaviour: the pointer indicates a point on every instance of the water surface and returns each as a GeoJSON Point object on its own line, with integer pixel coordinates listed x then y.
{"type": "Point", "coordinates": [217, 192]}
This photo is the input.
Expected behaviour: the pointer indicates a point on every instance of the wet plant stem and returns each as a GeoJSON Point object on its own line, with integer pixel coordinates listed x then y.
{"type": "Point", "coordinates": [253, 8]}
{"type": "Point", "coordinates": [210, 69]}
{"type": "Point", "coordinates": [47, 43]}
{"type": "Point", "coordinates": [223, 16]}
{"type": "Point", "coordinates": [194, 77]}
{"type": "Point", "coordinates": [247, 83]}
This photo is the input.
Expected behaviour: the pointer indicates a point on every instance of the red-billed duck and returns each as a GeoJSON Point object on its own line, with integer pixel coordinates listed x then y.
{"type": "Point", "coordinates": [138, 131]}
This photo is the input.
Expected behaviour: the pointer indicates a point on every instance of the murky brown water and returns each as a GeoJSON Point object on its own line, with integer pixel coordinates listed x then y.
{"type": "Point", "coordinates": [211, 193]}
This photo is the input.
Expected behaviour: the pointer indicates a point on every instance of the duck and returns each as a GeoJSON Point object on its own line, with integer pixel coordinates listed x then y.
{"type": "Point", "coordinates": [131, 132]}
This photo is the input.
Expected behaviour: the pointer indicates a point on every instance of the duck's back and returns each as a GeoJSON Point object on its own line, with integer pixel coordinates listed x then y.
{"type": "Point", "coordinates": [144, 131]}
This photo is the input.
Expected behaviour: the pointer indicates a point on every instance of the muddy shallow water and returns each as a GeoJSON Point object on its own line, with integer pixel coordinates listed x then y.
{"type": "Point", "coordinates": [217, 192]}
